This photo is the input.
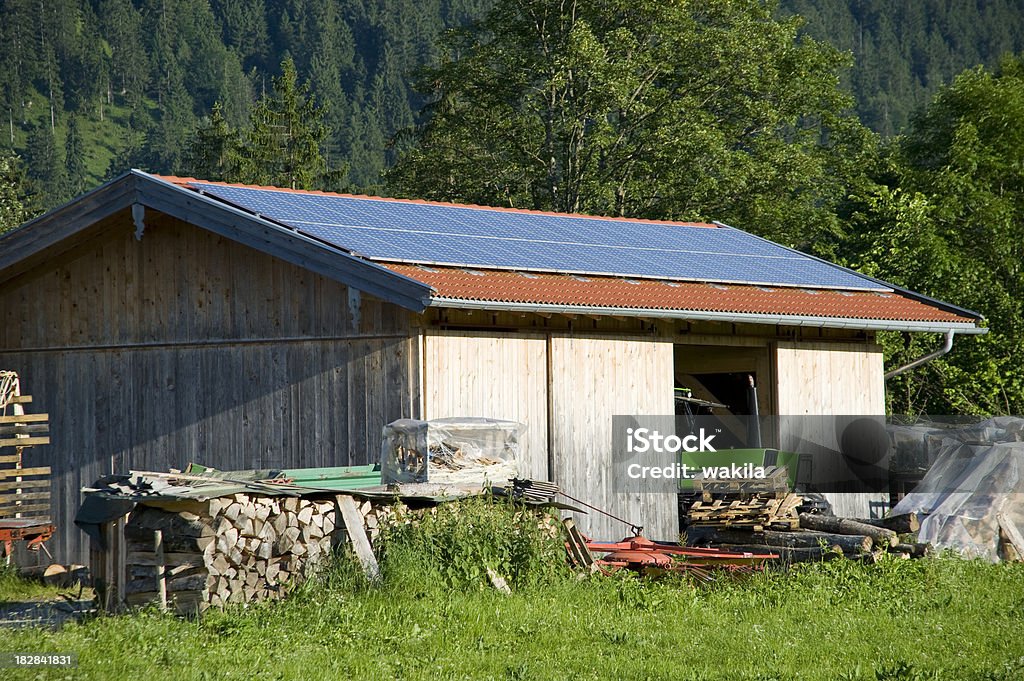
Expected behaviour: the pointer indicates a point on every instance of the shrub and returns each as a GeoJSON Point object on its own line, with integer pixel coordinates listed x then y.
{"type": "Point", "coordinates": [454, 544]}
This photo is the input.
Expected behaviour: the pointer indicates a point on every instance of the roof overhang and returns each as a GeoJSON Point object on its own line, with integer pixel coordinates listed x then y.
{"type": "Point", "coordinates": [68, 226]}
{"type": "Point", "coordinates": [704, 315]}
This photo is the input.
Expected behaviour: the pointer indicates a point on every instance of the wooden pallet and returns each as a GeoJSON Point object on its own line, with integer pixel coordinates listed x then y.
{"type": "Point", "coordinates": [758, 512]}
{"type": "Point", "coordinates": [24, 492]}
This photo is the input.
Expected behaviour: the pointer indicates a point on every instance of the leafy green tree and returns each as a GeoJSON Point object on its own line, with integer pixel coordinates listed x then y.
{"type": "Point", "coordinates": [283, 145]}
{"type": "Point", "coordinates": [947, 219]}
{"type": "Point", "coordinates": [640, 108]}
{"type": "Point", "coordinates": [16, 203]}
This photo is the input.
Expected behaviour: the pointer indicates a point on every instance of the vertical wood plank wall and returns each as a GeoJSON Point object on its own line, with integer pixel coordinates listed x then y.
{"type": "Point", "coordinates": [829, 378]}
{"type": "Point", "coordinates": [186, 346]}
{"type": "Point", "coordinates": [494, 375]}
{"type": "Point", "coordinates": [839, 379]}
{"type": "Point", "coordinates": [592, 380]}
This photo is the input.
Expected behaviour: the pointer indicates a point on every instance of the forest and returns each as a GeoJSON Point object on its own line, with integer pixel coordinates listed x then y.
{"type": "Point", "coordinates": [885, 136]}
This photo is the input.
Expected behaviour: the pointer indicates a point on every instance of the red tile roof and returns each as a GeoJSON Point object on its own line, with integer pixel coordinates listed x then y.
{"type": "Point", "coordinates": [501, 286]}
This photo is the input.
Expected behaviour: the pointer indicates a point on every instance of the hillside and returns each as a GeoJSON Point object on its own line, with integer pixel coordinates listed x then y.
{"type": "Point", "coordinates": [903, 51]}
{"type": "Point", "coordinates": [91, 87]}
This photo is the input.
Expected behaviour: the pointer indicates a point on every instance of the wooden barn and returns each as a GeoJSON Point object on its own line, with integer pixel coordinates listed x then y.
{"type": "Point", "coordinates": [165, 320]}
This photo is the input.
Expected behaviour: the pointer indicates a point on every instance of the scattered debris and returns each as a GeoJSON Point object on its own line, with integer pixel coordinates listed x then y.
{"type": "Point", "coordinates": [498, 582]}
{"type": "Point", "coordinates": [459, 451]}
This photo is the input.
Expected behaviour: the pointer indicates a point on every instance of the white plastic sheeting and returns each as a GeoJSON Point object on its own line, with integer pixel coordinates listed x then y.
{"type": "Point", "coordinates": [975, 484]}
{"type": "Point", "coordinates": [457, 451]}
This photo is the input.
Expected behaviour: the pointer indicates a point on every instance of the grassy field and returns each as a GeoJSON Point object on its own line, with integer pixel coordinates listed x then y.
{"type": "Point", "coordinates": [934, 619]}
{"type": "Point", "coordinates": [433, 618]}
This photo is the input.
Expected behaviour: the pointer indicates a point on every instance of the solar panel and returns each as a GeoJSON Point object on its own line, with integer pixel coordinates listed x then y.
{"type": "Point", "coordinates": [380, 229]}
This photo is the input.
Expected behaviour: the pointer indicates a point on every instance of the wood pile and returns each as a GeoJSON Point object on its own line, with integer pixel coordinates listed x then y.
{"type": "Point", "coordinates": [242, 548]}
{"type": "Point", "coordinates": [757, 512]}
{"type": "Point", "coordinates": [750, 523]}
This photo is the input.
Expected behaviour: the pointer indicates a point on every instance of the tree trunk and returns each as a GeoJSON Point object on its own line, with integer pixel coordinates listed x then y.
{"type": "Point", "coordinates": [880, 535]}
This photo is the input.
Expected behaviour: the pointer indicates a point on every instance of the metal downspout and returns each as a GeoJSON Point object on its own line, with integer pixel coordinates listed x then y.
{"type": "Point", "coordinates": [927, 358]}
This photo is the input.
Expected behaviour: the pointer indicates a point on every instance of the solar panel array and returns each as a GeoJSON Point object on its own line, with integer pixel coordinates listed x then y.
{"type": "Point", "coordinates": [437, 234]}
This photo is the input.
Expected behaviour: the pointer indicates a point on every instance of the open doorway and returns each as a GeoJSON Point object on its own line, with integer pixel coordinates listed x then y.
{"type": "Point", "coordinates": [726, 383]}
{"type": "Point", "coordinates": [721, 375]}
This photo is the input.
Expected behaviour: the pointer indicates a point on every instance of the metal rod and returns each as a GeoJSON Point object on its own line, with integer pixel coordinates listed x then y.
{"type": "Point", "coordinates": [754, 428]}
{"type": "Point", "coordinates": [637, 529]}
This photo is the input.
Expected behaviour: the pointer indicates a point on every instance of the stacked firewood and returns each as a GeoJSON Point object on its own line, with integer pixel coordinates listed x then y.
{"type": "Point", "coordinates": [234, 549]}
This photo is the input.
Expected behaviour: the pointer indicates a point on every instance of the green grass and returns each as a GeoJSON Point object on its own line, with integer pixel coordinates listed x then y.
{"type": "Point", "coordinates": [15, 589]}
{"type": "Point", "coordinates": [929, 619]}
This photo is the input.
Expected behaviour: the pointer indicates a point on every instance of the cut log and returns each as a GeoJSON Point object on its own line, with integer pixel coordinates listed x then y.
{"type": "Point", "coordinates": [787, 554]}
{"type": "Point", "coordinates": [55, 575]}
{"type": "Point", "coordinates": [170, 559]}
{"type": "Point", "coordinates": [172, 543]}
{"type": "Point", "coordinates": [184, 602]}
{"type": "Point", "coordinates": [143, 522]}
{"type": "Point", "coordinates": [152, 571]}
{"type": "Point", "coordinates": [216, 505]}
{"type": "Point", "coordinates": [915, 550]}
{"type": "Point", "coordinates": [794, 540]}
{"type": "Point", "coordinates": [246, 527]}
{"type": "Point", "coordinates": [879, 535]}
{"type": "Point", "coordinates": [900, 524]}
{"type": "Point", "coordinates": [232, 512]}
{"type": "Point", "coordinates": [311, 532]}
{"type": "Point", "coordinates": [196, 582]}
{"type": "Point", "coordinates": [1011, 532]}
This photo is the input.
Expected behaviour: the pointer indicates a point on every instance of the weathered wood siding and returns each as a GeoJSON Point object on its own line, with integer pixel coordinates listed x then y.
{"type": "Point", "coordinates": [838, 379]}
{"type": "Point", "coordinates": [829, 378]}
{"type": "Point", "coordinates": [493, 375]}
{"type": "Point", "coordinates": [184, 346]}
{"type": "Point", "coordinates": [593, 379]}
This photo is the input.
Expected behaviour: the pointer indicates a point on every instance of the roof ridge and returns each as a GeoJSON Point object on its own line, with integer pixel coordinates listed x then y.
{"type": "Point", "coordinates": [188, 181]}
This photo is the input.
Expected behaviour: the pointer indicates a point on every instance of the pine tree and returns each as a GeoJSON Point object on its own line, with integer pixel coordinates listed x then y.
{"type": "Point", "coordinates": [45, 167]}
{"type": "Point", "coordinates": [283, 145]}
{"type": "Point", "coordinates": [213, 153]}
{"type": "Point", "coordinates": [74, 159]}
